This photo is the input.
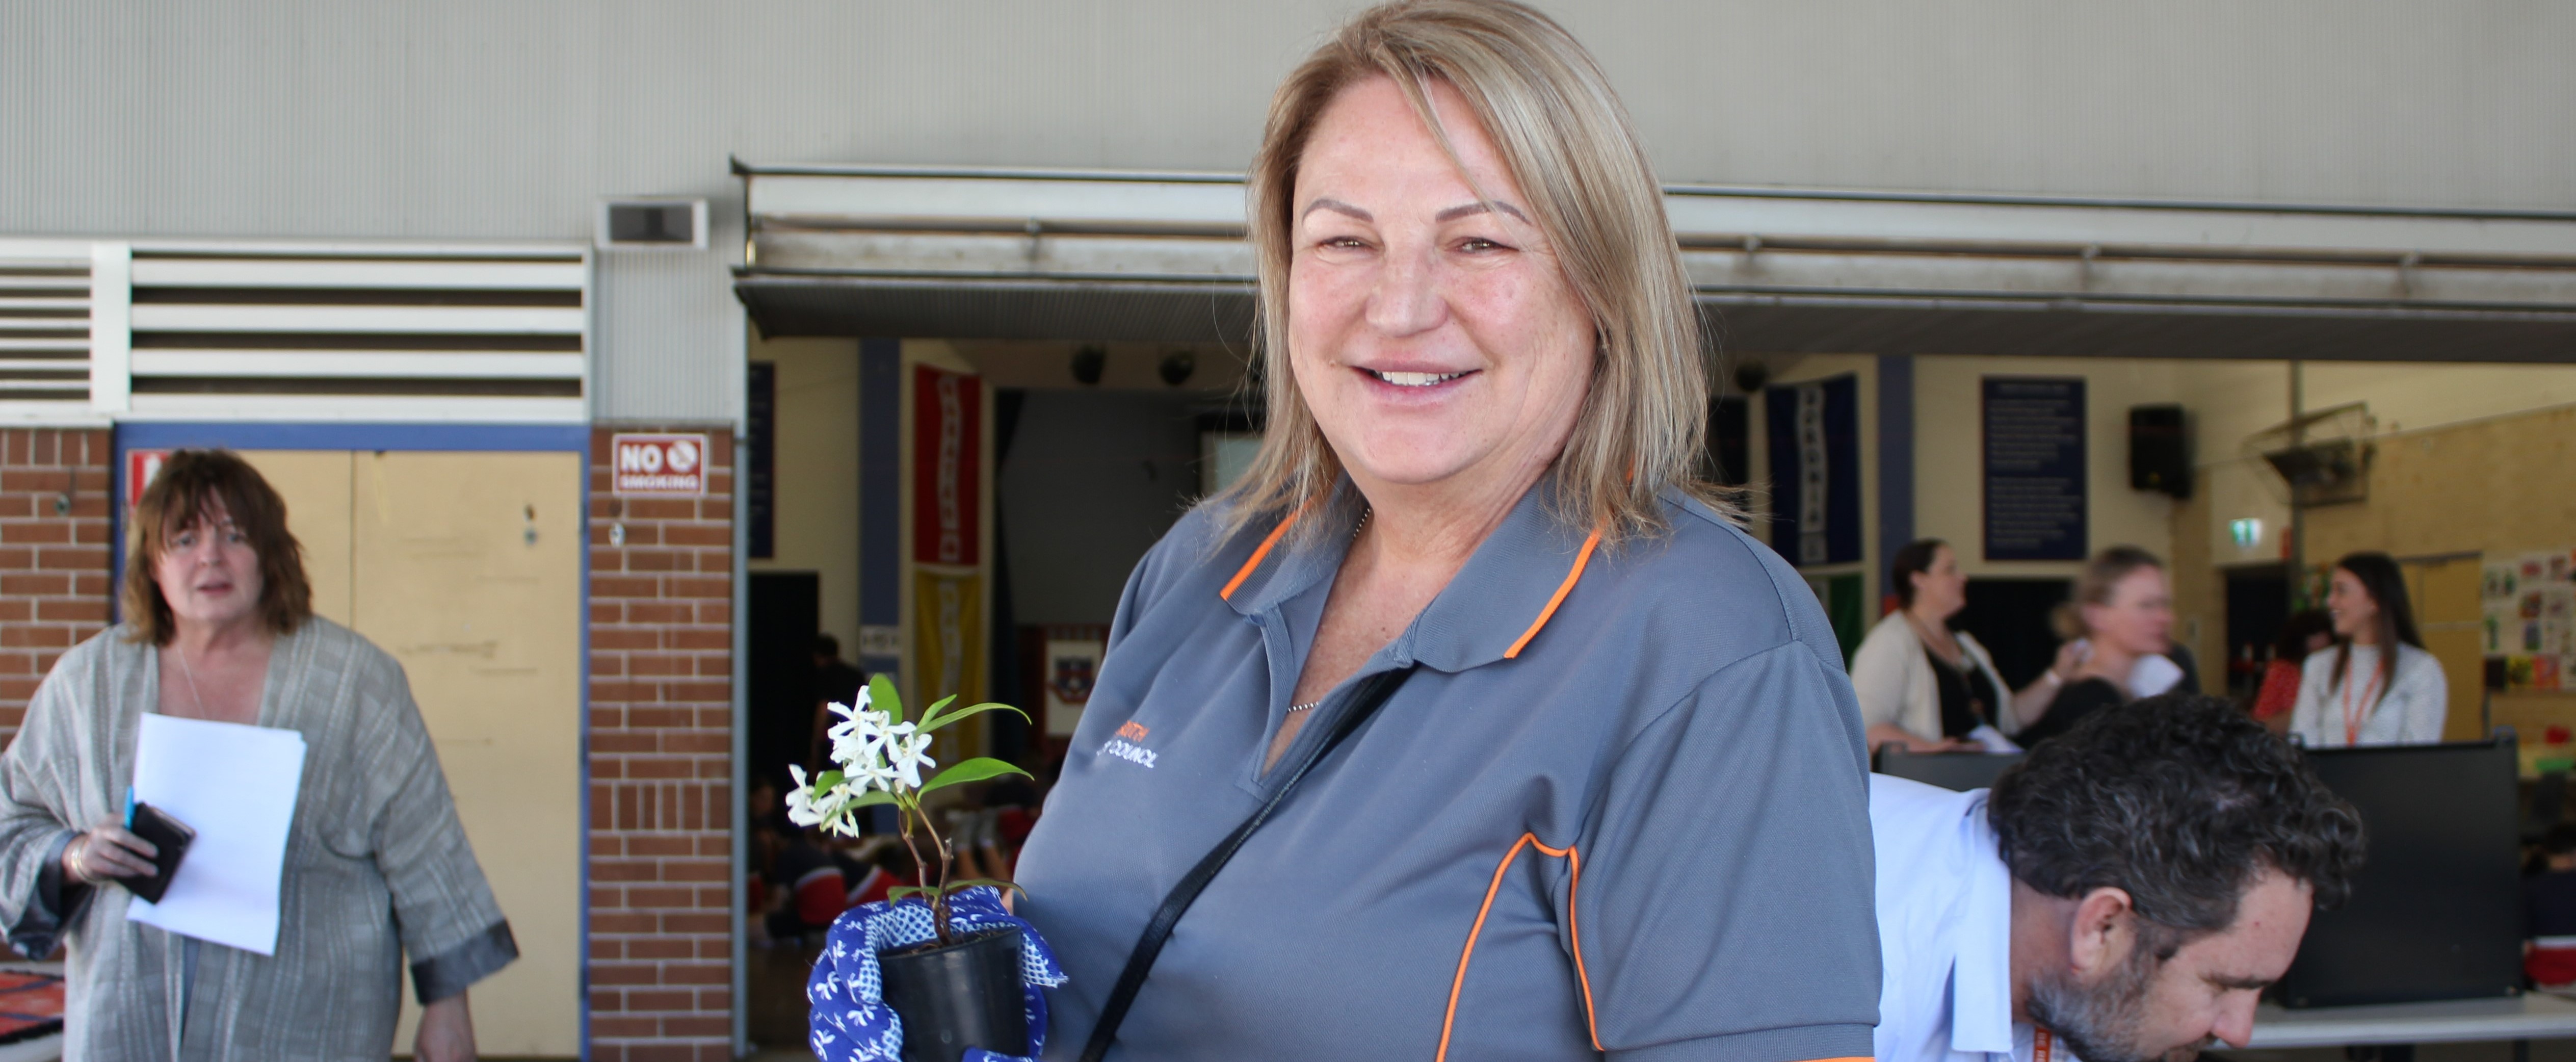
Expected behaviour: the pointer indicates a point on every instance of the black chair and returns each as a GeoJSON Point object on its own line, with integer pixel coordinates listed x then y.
{"type": "Point", "coordinates": [1954, 771]}
{"type": "Point", "coordinates": [2547, 808]}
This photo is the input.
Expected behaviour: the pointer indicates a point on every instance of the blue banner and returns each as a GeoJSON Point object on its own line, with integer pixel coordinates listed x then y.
{"type": "Point", "coordinates": [1814, 433]}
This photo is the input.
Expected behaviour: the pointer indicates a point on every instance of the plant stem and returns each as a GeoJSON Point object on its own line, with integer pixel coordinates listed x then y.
{"type": "Point", "coordinates": [910, 811]}
{"type": "Point", "coordinates": [938, 892]}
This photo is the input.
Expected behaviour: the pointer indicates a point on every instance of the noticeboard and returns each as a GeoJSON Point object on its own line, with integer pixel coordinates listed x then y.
{"type": "Point", "coordinates": [2034, 468]}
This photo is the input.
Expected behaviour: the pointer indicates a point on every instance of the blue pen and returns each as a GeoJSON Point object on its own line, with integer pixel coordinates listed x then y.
{"type": "Point", "coordinates": [129, 807]}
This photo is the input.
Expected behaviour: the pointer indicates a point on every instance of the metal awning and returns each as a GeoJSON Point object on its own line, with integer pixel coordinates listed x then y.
{"type": "Point", "coordinates": [1031, 254]}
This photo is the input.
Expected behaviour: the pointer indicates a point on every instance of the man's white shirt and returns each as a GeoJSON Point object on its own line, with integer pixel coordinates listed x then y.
{"type": "Point", "coordinates": [1944, 931]}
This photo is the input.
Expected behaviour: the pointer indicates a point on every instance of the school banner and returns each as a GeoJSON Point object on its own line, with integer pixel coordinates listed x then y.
{"type": "Point", "coordinates": [947, 467]}
{"type": "Point", "coordinates": [948, 652]}
{"type": "Point", "coordinates": [1814, 433]}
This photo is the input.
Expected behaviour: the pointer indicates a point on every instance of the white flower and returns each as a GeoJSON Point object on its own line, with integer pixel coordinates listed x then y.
{"type": "Point", "coordinates": [859, 737]}
{"type": "Point", "coordinates": [801, 809]}
{"type": "Point", "coordinates": [908, 757]}
{"type": "Point", "coordinates": [872, 774]}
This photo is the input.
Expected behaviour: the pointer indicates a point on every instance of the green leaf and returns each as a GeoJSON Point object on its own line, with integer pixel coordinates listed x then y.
{"type": "Point", "coordinates": [824, 782]}
{"type": "Point", "coordinates": [900, 891]}
{"type": "Point", "coordinates": [936, 720]}
{"type": "Point", "coordinates": [932, 712]}
{"type": "Point", "coordinates": [883, 698]}
{"type": "Point", "coordinates": [972, 882]}
{"type": "Point", "coordinates": [974, 770]}
{"type": "Point", "coordinates": [870, 799]}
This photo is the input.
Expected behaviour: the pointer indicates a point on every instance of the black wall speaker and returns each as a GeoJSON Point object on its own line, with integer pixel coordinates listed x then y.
{"type": "Point", "coordinates": [2159, 450]}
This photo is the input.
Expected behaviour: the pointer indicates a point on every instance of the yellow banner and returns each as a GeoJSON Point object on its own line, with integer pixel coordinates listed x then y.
{"type": "Point", "coordinates": [948, 654]}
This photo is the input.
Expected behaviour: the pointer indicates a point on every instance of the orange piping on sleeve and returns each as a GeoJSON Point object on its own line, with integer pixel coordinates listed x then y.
{"type": "Point", "coordinates": [1574, 866]}
{"type": "Point", "coordinates": [1258, 554]}
{"type": "Point", "coordinates": [1581, 558]}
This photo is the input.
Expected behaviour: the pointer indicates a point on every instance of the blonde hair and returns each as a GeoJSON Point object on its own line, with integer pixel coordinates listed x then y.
{"type": "Point", "coordinates": [1567, 141]}
{"type": "Point", "coordinates": [2095, 584]}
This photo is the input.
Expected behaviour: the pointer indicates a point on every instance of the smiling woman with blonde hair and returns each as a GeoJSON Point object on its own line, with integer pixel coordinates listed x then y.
{"type": "Point", "coordinates": [1469, 725]}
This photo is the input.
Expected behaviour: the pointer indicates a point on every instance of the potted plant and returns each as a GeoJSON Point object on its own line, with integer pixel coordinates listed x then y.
{"type": "Point", "coordinates": [957, 990]}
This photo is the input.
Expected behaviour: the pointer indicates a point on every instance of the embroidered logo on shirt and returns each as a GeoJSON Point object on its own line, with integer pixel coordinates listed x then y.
{"type": "Point", "coordinates": [1124, 748]}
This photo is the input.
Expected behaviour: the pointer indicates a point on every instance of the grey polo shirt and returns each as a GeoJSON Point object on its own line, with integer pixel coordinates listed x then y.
{"type": "Point", "coordinates": [1646, 832]}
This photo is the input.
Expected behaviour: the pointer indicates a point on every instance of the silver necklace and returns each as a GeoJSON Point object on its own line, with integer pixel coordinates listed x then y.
{"type": "Point", "coordinates": [1355, 535]}
{"type": "Point", "coordinates": [190, 674]}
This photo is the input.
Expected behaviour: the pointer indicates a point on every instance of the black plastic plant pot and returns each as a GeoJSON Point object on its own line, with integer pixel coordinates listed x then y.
{"type": "Point", "coordinates": [966, 994]}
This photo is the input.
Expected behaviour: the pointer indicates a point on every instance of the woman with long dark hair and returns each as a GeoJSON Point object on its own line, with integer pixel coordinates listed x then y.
{"type": "Point", "coordinates": [2377, 686]}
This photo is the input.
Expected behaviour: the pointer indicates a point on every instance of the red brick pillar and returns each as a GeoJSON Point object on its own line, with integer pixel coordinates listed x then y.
{"type": "Point", "coordinates": [54, 579]}
{"type": "Point", "coordinates": [661, 741]}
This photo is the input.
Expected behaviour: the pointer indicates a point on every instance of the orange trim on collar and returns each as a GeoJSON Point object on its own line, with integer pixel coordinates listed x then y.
{"type": "Point", "coordinates": [1580, 559]}
{"type": "Point", "coordinates": [1258, 554]}
{"type": "Point", "coordinates": [1573, 927]}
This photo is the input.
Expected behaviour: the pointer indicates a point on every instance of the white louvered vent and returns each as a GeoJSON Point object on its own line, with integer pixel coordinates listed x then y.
{"type": "Point", "coordinates": [362, 334]}
{"type": "Point", "coordinates": [44, 332]}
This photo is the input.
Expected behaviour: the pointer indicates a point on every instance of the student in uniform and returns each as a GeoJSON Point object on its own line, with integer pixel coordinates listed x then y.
{"type": "Point", "coordinates": [2124, 893]}
{"type": "Point", "coordinates": [1612, 749]}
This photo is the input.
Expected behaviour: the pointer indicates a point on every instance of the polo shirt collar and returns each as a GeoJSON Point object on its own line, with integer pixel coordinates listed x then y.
{"type": "Point", "coordinates": [1981, 1016]}
{"type": "Point", "coordinates": [1497, 603]}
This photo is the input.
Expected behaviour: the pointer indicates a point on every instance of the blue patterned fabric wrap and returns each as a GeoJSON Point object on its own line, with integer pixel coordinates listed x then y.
{"type": "Point", "coordinates": [849, 1017]}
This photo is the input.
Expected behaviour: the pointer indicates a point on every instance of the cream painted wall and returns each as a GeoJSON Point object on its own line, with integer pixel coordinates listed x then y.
{"type": "Point", "coordinates": [817, 473]}
{"type": "Point", "coordinates": [1949, 496]}
{"type": "Point", "coordinates": [1794, 369]}
{"type": "Point", "coordinates": [2230, 401]}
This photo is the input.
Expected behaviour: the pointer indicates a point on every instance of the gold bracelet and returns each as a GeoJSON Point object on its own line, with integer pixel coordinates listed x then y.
{"type": "Point", "coordinates": [78, 876]}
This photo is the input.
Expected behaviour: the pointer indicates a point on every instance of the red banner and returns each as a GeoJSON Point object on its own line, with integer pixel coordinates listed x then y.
{"type": "Point", "coordinates": [947, 466]}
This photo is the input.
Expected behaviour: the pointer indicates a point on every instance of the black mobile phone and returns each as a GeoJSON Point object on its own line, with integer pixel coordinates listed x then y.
{"type": "Point", "coordinates": [170, 839]}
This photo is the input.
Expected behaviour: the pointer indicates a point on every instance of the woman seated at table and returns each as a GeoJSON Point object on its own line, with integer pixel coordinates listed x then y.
{"type": "Point", "coordinates": [1925, 686]}
{"type": "Point", "coordinates": [2123, 611]}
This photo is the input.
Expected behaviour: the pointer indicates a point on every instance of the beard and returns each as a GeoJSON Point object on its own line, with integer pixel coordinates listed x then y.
{"type": "Point", "coordinates": [2102, 1022]}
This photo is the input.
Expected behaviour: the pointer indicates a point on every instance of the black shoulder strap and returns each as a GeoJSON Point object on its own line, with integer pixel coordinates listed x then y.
{"type": "Point", "coordinates": [1158, 929]}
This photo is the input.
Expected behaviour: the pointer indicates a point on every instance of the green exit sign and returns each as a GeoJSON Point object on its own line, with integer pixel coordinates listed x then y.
{"type": "Point", "coordinates": [2248, 532]}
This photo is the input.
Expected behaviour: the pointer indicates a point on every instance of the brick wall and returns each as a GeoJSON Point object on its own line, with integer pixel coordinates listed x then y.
{"type": "Point", "coordinates": [53, 564]}
{"type": "Point", "coordinates": [661, 716]}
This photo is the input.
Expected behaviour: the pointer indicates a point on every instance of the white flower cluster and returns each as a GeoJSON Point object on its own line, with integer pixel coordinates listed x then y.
{"type": "Point", "coordinates": [876, 754]}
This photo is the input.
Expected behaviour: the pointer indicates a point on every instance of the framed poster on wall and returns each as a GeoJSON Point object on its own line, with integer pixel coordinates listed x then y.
{"type": "Point", "coordinates": [2034, 468]}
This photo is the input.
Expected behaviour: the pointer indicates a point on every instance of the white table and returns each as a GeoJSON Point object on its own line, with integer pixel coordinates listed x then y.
{"type": "Point", "coordinates": [2534, 1016]}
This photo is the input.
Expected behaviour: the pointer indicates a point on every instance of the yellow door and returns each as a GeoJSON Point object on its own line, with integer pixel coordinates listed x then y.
{"type": "Point", "coordinates": [315, 484]}
{"type": "Point", "coordinates": [469, 572]}
{"type": "Point", "coordinates": [467, 568]}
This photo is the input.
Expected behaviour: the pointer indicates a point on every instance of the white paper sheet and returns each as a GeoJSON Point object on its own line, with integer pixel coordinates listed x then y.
{"type": "Point", "coordinates": [235, 785]}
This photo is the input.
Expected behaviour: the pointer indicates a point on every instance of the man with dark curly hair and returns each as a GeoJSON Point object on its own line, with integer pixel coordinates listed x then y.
{"type": "Point", "coordinates": [2123, 895]}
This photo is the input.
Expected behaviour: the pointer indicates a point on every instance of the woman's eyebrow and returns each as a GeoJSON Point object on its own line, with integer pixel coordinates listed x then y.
{"type": "Point", "coordinates": [1465, 209]}
{"type": "Point", "coordinates": [1338, 207]}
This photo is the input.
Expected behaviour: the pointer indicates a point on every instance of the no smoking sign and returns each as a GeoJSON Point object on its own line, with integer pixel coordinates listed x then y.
{"type": "Point", "coordinates": [659, 464]}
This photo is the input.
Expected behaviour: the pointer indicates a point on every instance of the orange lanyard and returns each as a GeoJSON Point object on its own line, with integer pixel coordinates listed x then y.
{"type": "Point", "coordinates": [2352, 716]}
{"type": "Point", "coordinates": [2041, 1045]}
